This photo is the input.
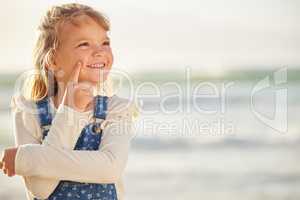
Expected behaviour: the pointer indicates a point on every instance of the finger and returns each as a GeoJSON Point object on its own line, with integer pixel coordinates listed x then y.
{"type": "Point", "coordinates": [10, 173]}
{"type": "Point", "coordinates": [75, 73]}
{"type": "Point", "coordinates": [1, 165]}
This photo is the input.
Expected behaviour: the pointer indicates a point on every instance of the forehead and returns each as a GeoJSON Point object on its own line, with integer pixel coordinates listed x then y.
{"type": "Point", "coordinates": [81, 27]}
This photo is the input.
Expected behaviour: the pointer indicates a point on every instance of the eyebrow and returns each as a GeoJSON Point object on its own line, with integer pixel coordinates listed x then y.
{"type": "Point", "coordinates": [105, 38]}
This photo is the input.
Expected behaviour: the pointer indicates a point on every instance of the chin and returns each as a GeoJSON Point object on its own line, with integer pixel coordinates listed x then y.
{"type": "Point", "coordinates": [94, 80]}
{"type": "Point", "coordinates": [93, 76]}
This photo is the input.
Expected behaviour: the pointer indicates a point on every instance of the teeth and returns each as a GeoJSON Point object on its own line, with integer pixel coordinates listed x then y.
{"type": "Point", "coordinates": [97, 65]}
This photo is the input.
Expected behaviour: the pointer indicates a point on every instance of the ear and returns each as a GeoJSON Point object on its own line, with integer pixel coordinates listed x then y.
{"type": "Point", "coordinates": [52, 64]}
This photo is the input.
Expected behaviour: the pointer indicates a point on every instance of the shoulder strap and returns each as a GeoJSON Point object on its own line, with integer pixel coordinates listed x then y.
{"type": "Point", "coordinates": [44, 114]}
{"type": "Point", "coordinates": [100, 111]}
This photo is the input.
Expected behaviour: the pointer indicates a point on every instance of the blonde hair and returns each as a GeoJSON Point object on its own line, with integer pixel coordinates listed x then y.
{"type": "Point", "coordinates": [44, 82]}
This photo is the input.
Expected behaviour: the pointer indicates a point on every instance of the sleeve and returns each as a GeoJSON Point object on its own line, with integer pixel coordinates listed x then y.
{"type": "Point", "coordinates": [103, 166]}
{"type": "Point", "coordinates": [27, 131]}
{"type": "Point", "coordinates": [25, 127]}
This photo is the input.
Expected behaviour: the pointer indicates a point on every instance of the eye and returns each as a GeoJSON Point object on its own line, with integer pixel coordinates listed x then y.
{"type": "Point", "coordinates": [83, 44]}
{"type": "Point", "coordinates": [107, 43]}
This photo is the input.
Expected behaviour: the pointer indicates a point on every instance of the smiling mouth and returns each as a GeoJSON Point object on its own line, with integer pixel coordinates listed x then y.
{"type": "Point", "coordinates": [96, 65]}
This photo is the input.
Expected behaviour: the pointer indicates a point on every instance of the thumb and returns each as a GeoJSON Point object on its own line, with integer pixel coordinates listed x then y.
{"type": "Point", "coordinates": [75, 73]}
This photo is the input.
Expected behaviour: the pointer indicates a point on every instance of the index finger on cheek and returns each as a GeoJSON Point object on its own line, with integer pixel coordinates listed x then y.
{"type": "Point", "coordinates": [74, 76]}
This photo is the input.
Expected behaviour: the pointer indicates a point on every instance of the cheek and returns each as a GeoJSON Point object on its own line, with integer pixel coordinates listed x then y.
{"type": "Point", "coordinates": [81, 56]}
{"type": "Point", "coordinates": [66, 59]}
{"type": "Point", "coordinates": [84, 57]}
{"type": "Point", "coordinates": [63, 69]}
{"type": "Point", "coordinates": [77, 56]}
{"type": "Point", "coordinates": [111, 57]}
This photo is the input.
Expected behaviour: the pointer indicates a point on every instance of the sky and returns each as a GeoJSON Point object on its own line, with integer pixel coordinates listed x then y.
{"type": "Point", "coordinates": [212, 35]}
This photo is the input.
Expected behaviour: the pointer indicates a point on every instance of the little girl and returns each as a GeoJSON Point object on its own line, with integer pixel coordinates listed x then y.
{"type": "Point", "coordinates": [75, 145]}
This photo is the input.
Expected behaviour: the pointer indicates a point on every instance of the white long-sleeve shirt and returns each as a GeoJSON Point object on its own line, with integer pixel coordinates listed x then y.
{"type": "Point", "coordinates": [42, 164]}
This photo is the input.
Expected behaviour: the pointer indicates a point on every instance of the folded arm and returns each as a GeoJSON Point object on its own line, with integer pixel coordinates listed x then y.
{"type": "Point", "coordinates": [55, 160]}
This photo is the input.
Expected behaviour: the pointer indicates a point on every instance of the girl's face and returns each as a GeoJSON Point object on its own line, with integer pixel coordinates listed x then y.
{"type": "Point", "coordinates": [87, 42]}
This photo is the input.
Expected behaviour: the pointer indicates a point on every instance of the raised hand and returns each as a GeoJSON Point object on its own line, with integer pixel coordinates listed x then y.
{"type": "Point", "coordinates": [78, 95]}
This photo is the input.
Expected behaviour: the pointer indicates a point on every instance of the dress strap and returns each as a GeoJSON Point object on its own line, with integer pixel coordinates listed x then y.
{"type": "Point", "coordinates": [44, 114]}
{"type": "Point", "coordinates": [100, 111]}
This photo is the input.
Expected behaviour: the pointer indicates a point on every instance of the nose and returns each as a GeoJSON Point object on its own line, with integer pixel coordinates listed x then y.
{"type": "Point", "coordinates": [98, 50]}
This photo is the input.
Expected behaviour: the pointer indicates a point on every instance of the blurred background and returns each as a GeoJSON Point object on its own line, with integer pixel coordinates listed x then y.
{"type": "Point", "coordinates": [221, 79]}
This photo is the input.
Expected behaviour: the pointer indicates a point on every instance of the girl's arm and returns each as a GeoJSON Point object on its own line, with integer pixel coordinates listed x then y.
{"type": "Point", "coordinates": [27, 131]}
{"type": "Point", "coordinates": [55, 159]}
